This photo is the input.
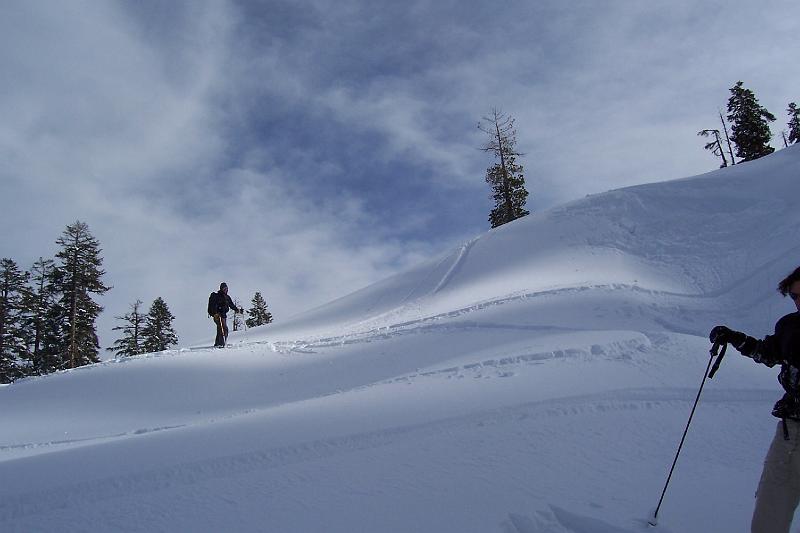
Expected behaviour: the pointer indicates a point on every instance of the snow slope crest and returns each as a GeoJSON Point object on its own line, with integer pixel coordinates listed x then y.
{"type": "Point", "coordinates": [721, 237]}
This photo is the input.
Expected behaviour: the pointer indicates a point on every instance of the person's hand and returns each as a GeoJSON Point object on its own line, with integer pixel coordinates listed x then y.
{"type": "Point", "coordinates": [724, 334]}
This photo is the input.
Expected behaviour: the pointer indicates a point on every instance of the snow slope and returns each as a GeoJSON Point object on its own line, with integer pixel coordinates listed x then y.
{"type": "Point", "coordinates": [535, 379]}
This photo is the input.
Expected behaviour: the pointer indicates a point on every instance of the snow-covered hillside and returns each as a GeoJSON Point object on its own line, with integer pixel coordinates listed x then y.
{"type": "Point", "coordinates": [535, 379]}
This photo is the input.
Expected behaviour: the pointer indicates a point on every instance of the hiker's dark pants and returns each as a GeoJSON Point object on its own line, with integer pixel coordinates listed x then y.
{"type": "Point", "coordinates": [222, 330]}
{"type": "Point", "coordinates": [779, 488]}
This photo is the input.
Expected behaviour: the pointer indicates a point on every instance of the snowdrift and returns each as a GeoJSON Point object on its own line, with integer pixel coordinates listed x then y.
{"type": "Point", "coordinates": [534, 379]}
{"type": "Point", "coordinates": [706, 243]}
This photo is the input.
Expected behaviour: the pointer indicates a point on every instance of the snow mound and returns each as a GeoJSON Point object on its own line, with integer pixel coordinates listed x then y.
{"type": "Point", "coordinates": [706, 243]}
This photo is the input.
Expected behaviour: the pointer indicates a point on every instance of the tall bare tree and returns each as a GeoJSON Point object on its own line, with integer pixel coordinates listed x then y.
{"type": "Point", "coordinates": [715, 146]}
{"type": "Point", "coordinates": [727, 137]}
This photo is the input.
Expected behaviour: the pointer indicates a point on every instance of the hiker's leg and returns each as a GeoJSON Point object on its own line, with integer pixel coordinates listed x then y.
{"type": "Point", "coordinates": [220, 340]}
{"type": "Point", "coordinates": [779, 489]}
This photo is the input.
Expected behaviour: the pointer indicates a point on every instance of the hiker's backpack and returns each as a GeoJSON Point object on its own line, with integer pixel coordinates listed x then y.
{"type": "Point", "coordinates": [212, 303]}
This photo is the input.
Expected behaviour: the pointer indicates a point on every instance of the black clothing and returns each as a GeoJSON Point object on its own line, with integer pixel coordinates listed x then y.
{"type": "Point", "coordinates": [222, 331]}
{"type": "Point", "coordinates": [222, 304]}
{"type": "Point", "coordinates": [782, 348]}
{"type": "Point", "coordinates": [723, 334]}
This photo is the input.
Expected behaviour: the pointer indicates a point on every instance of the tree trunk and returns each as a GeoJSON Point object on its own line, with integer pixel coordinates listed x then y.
{"type": "Point", "coordinates": [73, 307]}
{"type": "Point", "coordinates": [3, 322]}
{"type": "Point", "coordinates": [730, 147]}
{"type": "Point", "coordinates": [506, 188]}
{"type": "Point", "coordinates": [721, 151]}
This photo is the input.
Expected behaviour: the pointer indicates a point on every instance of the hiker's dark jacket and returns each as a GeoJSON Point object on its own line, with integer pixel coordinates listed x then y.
{"type": "Point", "coordinates": [783, 348]}
{"type": "Point", "coordinates": [222, 303]}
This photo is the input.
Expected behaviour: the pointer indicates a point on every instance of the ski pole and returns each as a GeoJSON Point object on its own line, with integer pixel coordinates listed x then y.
{"type": "Point", "coordinates": [719, 354]}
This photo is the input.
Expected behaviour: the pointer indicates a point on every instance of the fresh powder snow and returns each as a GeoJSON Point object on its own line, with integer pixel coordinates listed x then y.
{"type": "Point", "coordinates": [537, 378]}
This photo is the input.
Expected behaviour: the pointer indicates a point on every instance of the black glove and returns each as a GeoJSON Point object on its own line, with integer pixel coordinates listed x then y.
{"type": "Point", "coordinates": [723, 334]}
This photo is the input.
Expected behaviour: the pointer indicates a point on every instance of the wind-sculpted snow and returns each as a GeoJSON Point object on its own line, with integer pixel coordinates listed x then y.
{"type": "Point", "coordinates": [536, 378]}
{"type": "Point", "coordinates": [728, 235]}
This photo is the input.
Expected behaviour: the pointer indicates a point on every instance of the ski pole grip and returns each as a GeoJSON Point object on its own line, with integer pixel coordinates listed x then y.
{"type": "Point", "coordinates": [718, 351]}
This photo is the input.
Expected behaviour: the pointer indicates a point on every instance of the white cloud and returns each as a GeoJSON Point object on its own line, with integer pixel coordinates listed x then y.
{"type": "Point", "coordinates": [139, 126]}
{"type": "Point", "coordinates": [99, 129]}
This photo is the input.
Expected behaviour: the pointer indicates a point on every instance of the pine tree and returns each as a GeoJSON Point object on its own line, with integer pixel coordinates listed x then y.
{"type": "Point", "coordinates": [794, 123]}
{"type": "Point", "coordinates": [259, 315]}
{"type": "Point", "coordinates": [158, 333]}
{"type": "Point", "coordinates": [79, 276]}
{"type": "Point", "coordinates": [750, 121]}
{"type": "Point", "coordinates": [13, 350]}
{"type": "Point", "coordinates": [40, 307]}
{"type": "Point", "coordinates": [54, 352]}
{"type": "Point", "coordinates": [132, 341]}
{"type": "Point", "coordinates": [505, 177]}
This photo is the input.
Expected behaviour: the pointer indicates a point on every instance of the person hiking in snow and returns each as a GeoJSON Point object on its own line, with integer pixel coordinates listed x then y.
{"type": "Point", "coordinates": [219, 303]}
{"type": "Point", "coordinates": [779, 489]}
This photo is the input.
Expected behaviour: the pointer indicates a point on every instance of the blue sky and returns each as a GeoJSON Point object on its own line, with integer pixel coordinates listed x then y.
{"type": "Point", "coordinates": [306, 149]}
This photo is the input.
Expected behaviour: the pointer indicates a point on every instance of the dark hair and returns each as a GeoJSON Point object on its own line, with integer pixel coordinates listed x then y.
{"type": "Point", "coordinates": [223, 285]}
{"type": "Point", "coordinates": [783, 286]}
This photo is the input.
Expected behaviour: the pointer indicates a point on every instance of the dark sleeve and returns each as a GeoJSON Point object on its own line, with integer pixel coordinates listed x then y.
{"type": "Point", "coordinates": [783, 346]}
{"type": "Point", "coordinates": [767, 352]}
{"type": "Point", "coordinates": [231, 304]}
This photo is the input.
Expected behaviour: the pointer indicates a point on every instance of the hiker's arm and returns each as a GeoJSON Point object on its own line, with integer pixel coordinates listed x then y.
{"type": "Point", "coordinates": [766, 352]}
{"type": "Point", "coordinates": [233, 306]}
{"type": "Point", "coordinates": [783, 346]}
{"type": "Point", "coordinates": [760, 351]}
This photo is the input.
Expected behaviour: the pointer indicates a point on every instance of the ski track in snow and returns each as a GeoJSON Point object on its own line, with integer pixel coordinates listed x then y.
{"type": "Point", "coordinates": [376, 327]}
{"type": "Point", "coordinates": [15, 506]}
{"type": "Point", "coordinates": [459, 261]}
{"type": "Point", "coordinates": [501, 367]}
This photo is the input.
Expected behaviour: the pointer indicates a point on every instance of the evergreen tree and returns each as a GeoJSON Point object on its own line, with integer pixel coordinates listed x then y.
{"type": "Point", "coordinates": [794, 123]}
{"type": "Point", "coordinates": [42, 317]}
{"type": "Point", "coordinates": [505, 177]}
{"type": "Point", "coordinates": [750, 124]}
{"type": "Point", "coordinates": [158, 333]}
{"type": "Point", "coordinates": [132, 341]}
{"type": "Point", "coordinates": [79, 276]}
{"type": "Point", "coordinates": [13, 350]}
{"type": "Point", "coordinates": [54, 352]}
{"type": "Point", "coordinates": [259, 315]}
